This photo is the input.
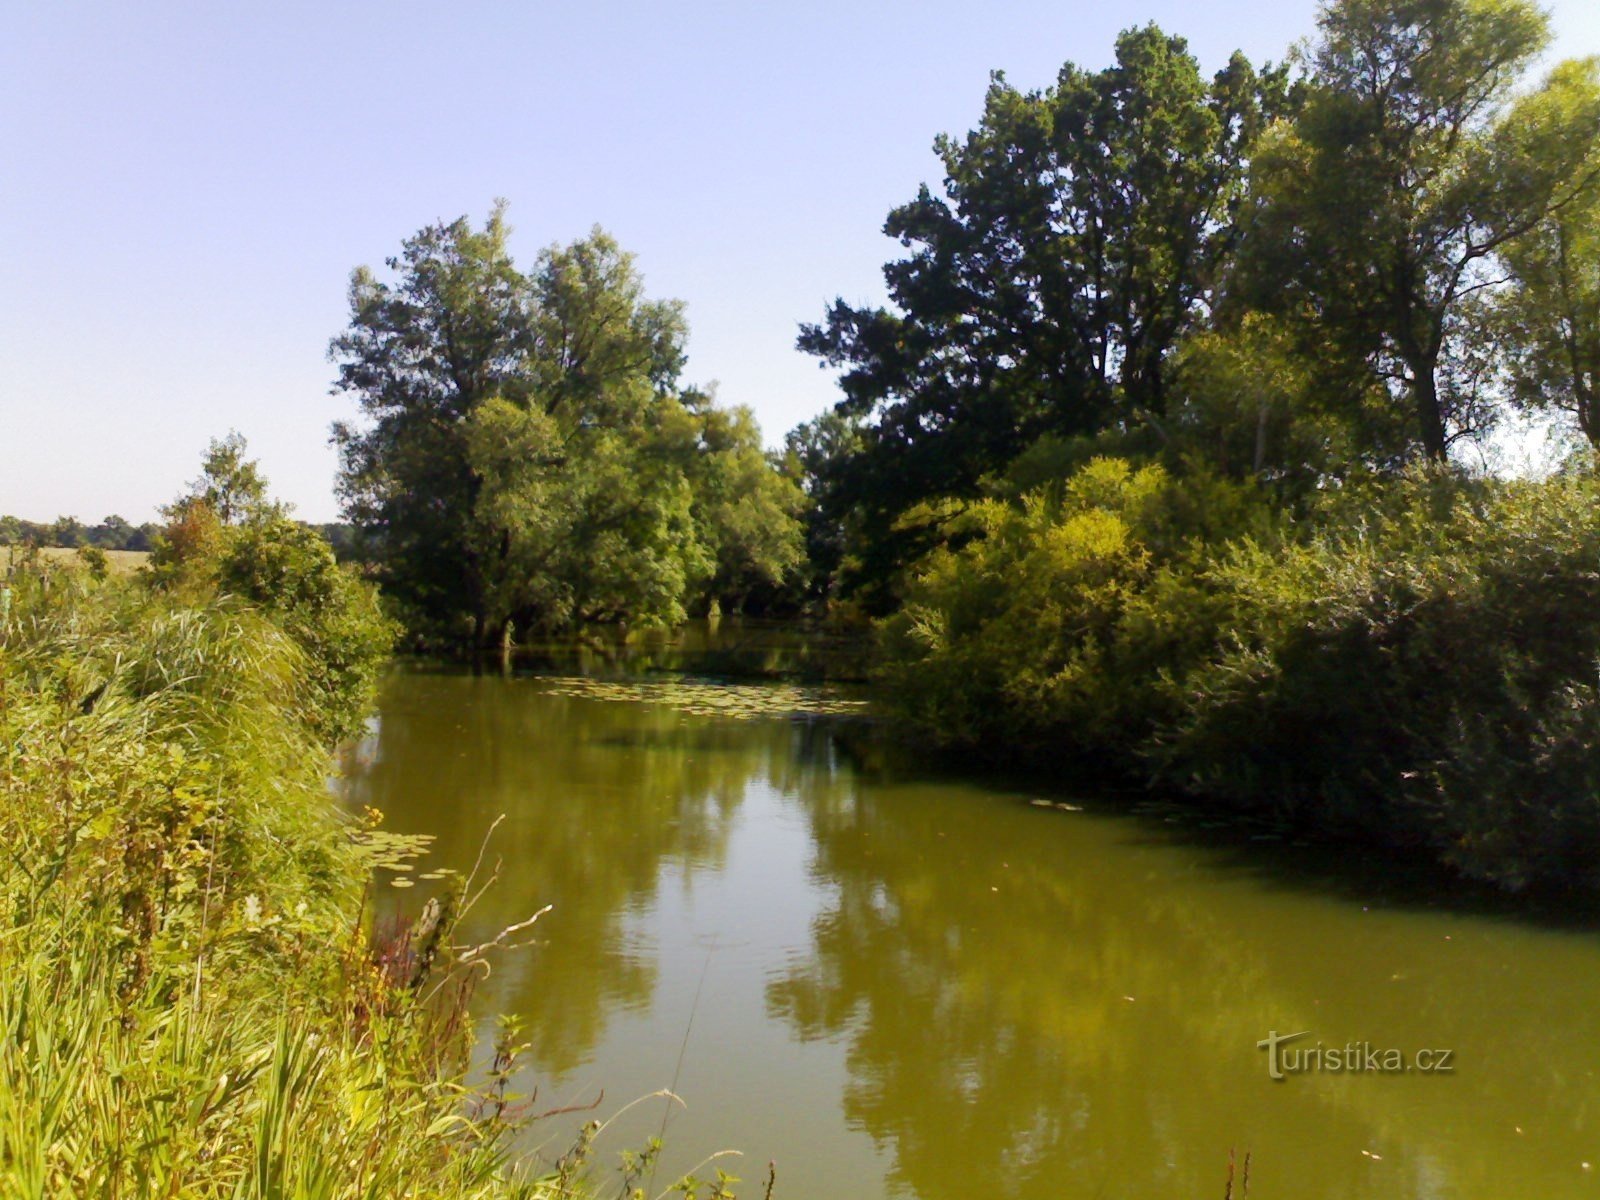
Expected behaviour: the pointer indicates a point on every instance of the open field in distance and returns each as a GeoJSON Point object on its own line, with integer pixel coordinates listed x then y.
{"type": "Point", "coordinates": [123, 562]}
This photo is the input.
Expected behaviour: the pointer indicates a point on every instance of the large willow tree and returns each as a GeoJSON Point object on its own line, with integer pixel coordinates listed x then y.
{"type": "Point", "coordinates": [526, 454]}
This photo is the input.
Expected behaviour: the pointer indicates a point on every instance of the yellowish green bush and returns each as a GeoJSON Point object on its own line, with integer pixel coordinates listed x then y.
{"type": "Point", "coordinates": [1417, 662]}
{"type": "Point", "coordinates": [1017, 639]}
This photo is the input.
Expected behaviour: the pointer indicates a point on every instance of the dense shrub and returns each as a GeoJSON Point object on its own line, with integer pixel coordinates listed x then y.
{"type": "Point", "coordinates": [1417, 664]}
{"type": "Point", "coordinates": [1426, 672]}
{"type": "Point", "coordinates": [288, 570]}
{"type": "Point", "coordinates": [1019, 637]}
{"type": "Point", "coordinates": [225, 538]}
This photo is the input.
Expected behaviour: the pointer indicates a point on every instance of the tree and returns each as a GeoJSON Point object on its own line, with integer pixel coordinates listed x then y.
{"type": "Point", "coordinates": [230, 492]}
{"type": "Point", "coordinates": [229, 482]}
{"type": "Point", "coordinates": [258, 555]}
{"type": "Point", "coordinates": [1386, 201]}
{"type": "Point", "coordinates": [815, 455]}
{"type": "Point", "coordinates": [67, 532]}
{"type": "Point", "coordinates": [526, 457]}
{"type": "Point", "coordinates": [420, 356]}
{"type": "Point", "coordinates": [1080, 233]}
{"type": "Point", "coordinates": [580, 524]}
{"type": "Point", "coordinates": [746, 509]}
{"type": "Point", "coordinates": [1550, 315]}
{"type": "Point", "coordinates": [113, 533]}
{"type": "Point", "coordinates": [1259, 395]}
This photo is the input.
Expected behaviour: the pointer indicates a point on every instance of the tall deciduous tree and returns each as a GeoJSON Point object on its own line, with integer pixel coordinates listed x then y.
{"type": "Point", "coordinates": [230, 481]}
{"type": "Point", "coordinates": [420, 355]}
{"type": "Point", "coordinates": [1079, 234]}
{"type": "Point", "coordinates": [1390, 196]}
{"type": "Point", "coordinates": [526, 457]}
{"type": "Point", "coordinates": [747, 509]}
{"type": "Point", "coordinates": [815, 455]}
{"type": "Point", "coordinates": [1550, 314]}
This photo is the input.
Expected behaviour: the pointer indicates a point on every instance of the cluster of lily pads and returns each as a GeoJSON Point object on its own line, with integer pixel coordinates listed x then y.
{"type": "Point", "coordinates": [711, 698]}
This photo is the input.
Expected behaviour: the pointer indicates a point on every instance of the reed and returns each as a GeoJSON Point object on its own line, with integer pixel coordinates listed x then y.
{"type": "Point", "coordinates": [190, 1004]}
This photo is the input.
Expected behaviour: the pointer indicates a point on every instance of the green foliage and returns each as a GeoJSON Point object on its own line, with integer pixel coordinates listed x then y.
{"type": "Point", "coordinates": [573, 525]}
{"type": "Point", "coordinates": [230, 484]}
{"type": "Point", "coordinates": [1549, 318]}
{"type": "Point", "coordinates": [747, 511]}
{"type": "Point", "coordinates": [815, 453]}
{"type": "Point", "coordinates": [1256, 400]}
{"type": "Point", "coordinates": [1377, 215]}
{"type": "Point", "coordinates": [1298, 280]}
{"type": "Point", "coordinates": [1081, 232]}
{"type": "Point", "coordinates": [176, 881]}
{"type": "Point", "coordinates": [1025, 637]}
{"type": "Point", "coordinates": [527, 459]}
{"type": "Point", "coordinates": [94, 560]}
{"type": "Point", "coordinates": [288, 571]}
{"type": "Point", "coordinates": [113, 533]}
{"type": "Point", "coordinates": [1425, 673]}
{"type": "Point", "coordinates": [1416, 664]}
{"type": "Point", "coordinates": [284, 570]}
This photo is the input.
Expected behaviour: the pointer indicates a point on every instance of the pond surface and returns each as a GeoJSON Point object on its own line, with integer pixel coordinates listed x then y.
{"type": "Point", "coordinates": [897, 983]}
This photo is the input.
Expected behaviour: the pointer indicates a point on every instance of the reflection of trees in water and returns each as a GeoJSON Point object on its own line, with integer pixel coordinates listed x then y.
{"type": "Point", "coordinates": [597, 796]}
{"type": "Point", "coordinates": [991, 1046]}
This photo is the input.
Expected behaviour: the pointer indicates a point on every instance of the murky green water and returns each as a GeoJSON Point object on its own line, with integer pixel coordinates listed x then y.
{"type": "Point", "coordinates": [927, 987]}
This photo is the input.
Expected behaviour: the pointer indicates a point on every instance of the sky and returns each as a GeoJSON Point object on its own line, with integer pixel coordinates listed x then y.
{"type": "Point", "coordinates": [185, 188]}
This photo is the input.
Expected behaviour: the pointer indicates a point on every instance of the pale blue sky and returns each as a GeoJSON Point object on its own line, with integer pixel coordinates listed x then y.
{"type": "Point", "coordinates": [184, 188]}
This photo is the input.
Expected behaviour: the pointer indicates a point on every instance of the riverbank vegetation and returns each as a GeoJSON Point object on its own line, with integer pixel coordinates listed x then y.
{"type": "Point", "coordinates": [1181, 445]}
{"type": "Point", "coordinates": [1173, 450]}
{"type": "Point", "coordinates": [192, 998]}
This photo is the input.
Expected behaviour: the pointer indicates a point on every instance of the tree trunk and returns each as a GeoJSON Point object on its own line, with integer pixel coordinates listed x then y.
{"type": "Point", "coordinates": [1430, 417]}
{"type": "Point", "coordinates": [508, 644]}
{"type": "Point", "coordinates": [1588, 415]}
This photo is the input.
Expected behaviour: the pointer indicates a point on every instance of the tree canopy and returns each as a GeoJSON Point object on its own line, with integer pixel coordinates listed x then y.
{"type": "Point", "coordinates": [1387, 205]}
{"type": "Point", "coordinates": [1300, 274]}
{"type": "Point", "coordinates": [1079, 233]}
{"type": "Point", "coordinates": [527, 453]}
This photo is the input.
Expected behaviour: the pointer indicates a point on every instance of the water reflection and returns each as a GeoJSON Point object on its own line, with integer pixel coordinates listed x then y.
{"type": "Point", "coordinates": [598, 798]}
{"type": "Point", "coordinates": [928, 988]}
{"type": "Point", "coordinates": [1044, 1002]}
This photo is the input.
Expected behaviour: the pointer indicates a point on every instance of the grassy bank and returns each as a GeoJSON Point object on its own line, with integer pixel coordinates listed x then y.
{"type": "Point", "coordinates": [191, 1001]}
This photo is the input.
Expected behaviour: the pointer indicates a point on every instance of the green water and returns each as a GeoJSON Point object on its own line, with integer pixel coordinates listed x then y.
{"type": "Point", "coordinates": [897, 983]}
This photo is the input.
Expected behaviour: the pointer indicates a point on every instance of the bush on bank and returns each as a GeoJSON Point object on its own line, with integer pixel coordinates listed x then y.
{"type": "Point", "coordinates": [1416, 664]}
{"type": "Point", "coordinates": [190, 1003]}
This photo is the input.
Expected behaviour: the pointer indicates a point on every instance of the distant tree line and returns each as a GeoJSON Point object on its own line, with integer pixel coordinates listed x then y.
{"type": "Point", "coordinates": [230, 485]}
{"type": "Point", "coordinates": [113, 533]}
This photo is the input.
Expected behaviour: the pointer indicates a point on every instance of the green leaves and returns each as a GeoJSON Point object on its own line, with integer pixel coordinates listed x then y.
{"type": "Point", "coordinates": [1080, 232]}
{"type": "Point", "coordinates": [1409, 168]}
{"type": "Point", "coordinates": [1548, 319]}
{"type": "Point", "coordinates": [526, 460]}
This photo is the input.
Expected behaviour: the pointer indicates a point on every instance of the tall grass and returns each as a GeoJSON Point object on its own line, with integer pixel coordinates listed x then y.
{"type": "Point", "coordinates": [189, 1003]}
